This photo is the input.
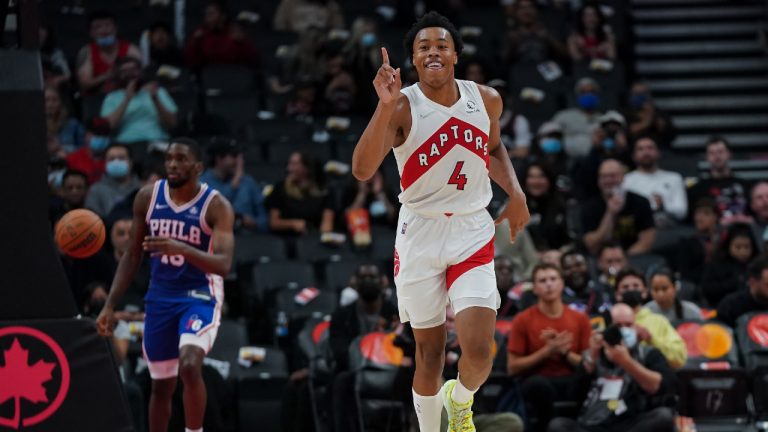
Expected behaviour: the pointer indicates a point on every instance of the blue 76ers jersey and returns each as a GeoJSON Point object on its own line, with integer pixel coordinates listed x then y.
{"type": "Point", "coordinates": [171, 276]}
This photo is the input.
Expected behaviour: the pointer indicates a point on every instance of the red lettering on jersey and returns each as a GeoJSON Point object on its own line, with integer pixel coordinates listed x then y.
{"type": "Point", "coordinates": [452, 133]}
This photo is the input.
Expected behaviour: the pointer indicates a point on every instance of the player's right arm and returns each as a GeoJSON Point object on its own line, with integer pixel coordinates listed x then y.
{"type": "Point", "coordinates": [385, 126]}
{"type": "Point", "coordinates": [129, 263]}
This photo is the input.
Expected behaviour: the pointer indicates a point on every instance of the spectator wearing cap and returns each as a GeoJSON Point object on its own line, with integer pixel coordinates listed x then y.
{"type": "Point", "coordinates": [579, 122]}
{"type": "Point", "coordinates": [219, 41]}
{"type": "Point", "coordinates": [514, 127]}
{"type": "Point", "coordinates": [645, 118]}
{"type": "Point", "coordinates": [89, 158]}
{"type": "Point", "coordinates": [609, 141]}
{"type": "Point", "coordinates": [226, 174]}
{"type": "Point", "coordinates": [96, 61]}
{"type": "Point", "coordinates": [729, 193]}
{"type": "Point", "coordinates": [617, 214]}
{"type": "Point", "coordinates": [664, 189]}
{"type": "Point", "coordinates": [139, 111]}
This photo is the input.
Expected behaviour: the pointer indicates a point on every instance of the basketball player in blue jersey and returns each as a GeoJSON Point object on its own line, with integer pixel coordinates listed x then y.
{"type": "Point", "coordinates": [186, 227]}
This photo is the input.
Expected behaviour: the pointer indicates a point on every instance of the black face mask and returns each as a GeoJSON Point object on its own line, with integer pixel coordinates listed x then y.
{"type": "Point", "coordinates": [369, 288]}
{"type": "Point", "coordinates": [633, 299]}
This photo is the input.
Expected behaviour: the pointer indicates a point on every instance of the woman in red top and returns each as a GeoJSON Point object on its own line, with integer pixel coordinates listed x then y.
{"type": "Point", "coordinates": [592, 38]}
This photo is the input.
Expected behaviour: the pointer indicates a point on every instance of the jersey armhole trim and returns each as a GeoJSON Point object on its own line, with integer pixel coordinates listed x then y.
{"type": "Point", "coordinates": [414, 119]}
{"type": "Point", "coordinates": [203, 223]}
{"type": "Point", "coordinates": [152, 201]}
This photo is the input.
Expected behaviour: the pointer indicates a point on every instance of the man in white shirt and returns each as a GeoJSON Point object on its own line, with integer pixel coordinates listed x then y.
{"type": "Point", "coordinates": [664, 189]}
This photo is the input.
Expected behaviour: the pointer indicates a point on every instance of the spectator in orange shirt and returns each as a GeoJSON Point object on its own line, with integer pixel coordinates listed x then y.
{"type": "Point", "coordinates": [545, 346]}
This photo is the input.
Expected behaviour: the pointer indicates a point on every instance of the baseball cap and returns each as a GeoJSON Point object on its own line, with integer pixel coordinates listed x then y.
{"type": "Point", "coordinates": [549, 128]}
{"type": "Point", "coordinates": [612, 116]}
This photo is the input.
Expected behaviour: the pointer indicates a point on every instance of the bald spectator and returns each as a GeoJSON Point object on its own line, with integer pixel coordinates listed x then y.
{"type": "Point", "coordinates": [579, 122]}
{"type": "Point", "coordinates": [617, 214]}
{"type": "Point", "coordinates": [728, 192]}
{"type": "Point", "coordinates": [96, 61]}
{"type": "Point", "coordinates": [664, 189]}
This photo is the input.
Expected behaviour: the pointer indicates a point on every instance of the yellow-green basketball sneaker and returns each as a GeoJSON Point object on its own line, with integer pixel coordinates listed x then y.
{"type": "Point", "coordinates": [459, 415]}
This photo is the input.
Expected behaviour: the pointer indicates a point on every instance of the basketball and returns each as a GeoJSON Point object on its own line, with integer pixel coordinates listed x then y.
{"type": "Point", "coordinates": [80, 233]}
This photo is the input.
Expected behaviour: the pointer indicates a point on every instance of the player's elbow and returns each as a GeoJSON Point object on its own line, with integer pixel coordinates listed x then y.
{"type": "Point", "coordinates": [361, 173]}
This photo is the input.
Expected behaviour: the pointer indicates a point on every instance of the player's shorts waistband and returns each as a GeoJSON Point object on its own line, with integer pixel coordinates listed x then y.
{"type": "Point", "coordinates": [438, 215]}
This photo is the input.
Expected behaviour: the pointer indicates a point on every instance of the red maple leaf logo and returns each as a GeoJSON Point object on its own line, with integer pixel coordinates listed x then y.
{"type": "Point", "coordinates": [22, 380]}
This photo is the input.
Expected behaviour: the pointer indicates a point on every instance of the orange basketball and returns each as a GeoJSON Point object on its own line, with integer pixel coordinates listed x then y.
{"type": "Point", "coordinates": [80, 233]}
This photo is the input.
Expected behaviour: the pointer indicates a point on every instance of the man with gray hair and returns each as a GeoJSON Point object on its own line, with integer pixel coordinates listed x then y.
{"type": "Point", "coordinates": [579, 122]}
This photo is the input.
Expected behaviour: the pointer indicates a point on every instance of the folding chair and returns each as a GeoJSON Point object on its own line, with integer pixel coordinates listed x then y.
{"type": "Point", "coordinates": [260, 389]}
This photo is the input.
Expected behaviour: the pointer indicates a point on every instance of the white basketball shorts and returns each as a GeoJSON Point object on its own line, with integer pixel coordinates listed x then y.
{"type": "Point", "coordinates": [441, 259]}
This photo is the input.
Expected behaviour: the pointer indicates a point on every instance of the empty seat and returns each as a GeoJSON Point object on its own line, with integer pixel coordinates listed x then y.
{"type": "Point", "coordinates": [273, 276]}
{"type": "Point", "coordinates": [259, 248]}
{"type": "Point", "coordinates": [259, 392]}
{"type": "Point", "coordinates": [223, 79]}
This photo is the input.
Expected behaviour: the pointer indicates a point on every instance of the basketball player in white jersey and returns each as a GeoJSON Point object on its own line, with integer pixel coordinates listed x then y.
{"type": "Point", "coordinates": [445, 136]}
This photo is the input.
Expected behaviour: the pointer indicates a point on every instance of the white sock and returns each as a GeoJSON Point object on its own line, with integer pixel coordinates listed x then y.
{"type": "Point", "coordinates": [428, 411]}
{"type": "Point", "coordinates": [461, 394]}
{"type": "Point", "coordinates": [193, 430]}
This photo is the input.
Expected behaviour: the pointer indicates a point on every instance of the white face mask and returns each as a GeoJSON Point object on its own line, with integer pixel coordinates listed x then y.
{"type": "Point", "coordinates": [629, 335]}
{"type": "Point", "coordinates": [377, 208]}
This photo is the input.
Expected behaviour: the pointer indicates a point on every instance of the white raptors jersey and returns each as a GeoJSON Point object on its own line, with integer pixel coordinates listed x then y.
{"type": "Point", "coordinates": [444, 161]}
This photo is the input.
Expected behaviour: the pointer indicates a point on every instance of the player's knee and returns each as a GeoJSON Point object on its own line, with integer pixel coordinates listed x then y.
{"type": "Point", "coordinates": [431, 356]}
{"type": "Point", "coordinates": [190, 369]}
{"type": "Point", "coordinates": [478, 352]}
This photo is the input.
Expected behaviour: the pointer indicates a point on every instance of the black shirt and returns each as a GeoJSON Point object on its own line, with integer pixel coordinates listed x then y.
{"type": "Point", "coordinates": [310, 207]}
{"type": "Point", "coordinates": [634, 218]}
{"type": "Point", "coordinates": [730, 194]}
{"type": "Point", "coordinates": [737, 304]}
{"type": "Point", "coordinates": [547, 225]}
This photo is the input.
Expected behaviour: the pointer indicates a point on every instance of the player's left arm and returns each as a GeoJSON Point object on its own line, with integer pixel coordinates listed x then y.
{"type": "Point", "coordinates": [501, 170]}
{"type": "Point", "coordinates": [221, 218]}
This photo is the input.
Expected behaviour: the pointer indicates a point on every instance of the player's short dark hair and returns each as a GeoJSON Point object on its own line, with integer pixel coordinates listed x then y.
{"type": "Point", "coordinates": [757, 267]}
{"type": "Point", "coordinates": [74, 173]}
{"type": "Point", "coordinates": [432, 19]}
{"type": "Point", "coordinates": [192, 145]}
{"type": "Point", "coordinates": [100, 14]}
{"type": "Point", "coordinates": [545, 266]}
{"type": "Point", "coordinates": [714, 139]}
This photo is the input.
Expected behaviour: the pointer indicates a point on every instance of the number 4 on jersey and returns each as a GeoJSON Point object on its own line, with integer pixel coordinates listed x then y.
{"type": "Point", "coordinates": [457, 178]}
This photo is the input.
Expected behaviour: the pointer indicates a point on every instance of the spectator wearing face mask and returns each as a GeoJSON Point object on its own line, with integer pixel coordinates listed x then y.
{"type": "Point", "coordinates": [370, 313]}
{"type": "Point", "coordinates": [755, 299]}
{"type": "Point", "coordinates": [627, 383]}
{"type": "Point", "coordinates": [550, 151]}
{"type": "Point", "coordinates": [139, 111]}
{"type": "Point", "coordinates": [89, 158]}
{"type": "Point", "coordinates": [652, 329]}
{"type": "Point", "coordinates": [96, 61]}
{"type": "Point", "coordinates": [645, 119]}
{"type": "Point", "coordinates": [727, 271]}
{"type": "Point", "coordinates": [579, 122]}
{"type": "Point", "coordinates": [665, 301]}
{"type": "Point", "coordinates": [664, 189]}
{"type": "Point", "coordinates": [227, 175]}
{"type": "Point", "coordinates": [362, 55]}
{"type": "Point", "coordinates": [118, 182]}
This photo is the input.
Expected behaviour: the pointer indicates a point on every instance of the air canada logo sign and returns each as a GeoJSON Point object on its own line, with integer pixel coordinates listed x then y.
{"type": "Point", "coordinates": [34, 377]}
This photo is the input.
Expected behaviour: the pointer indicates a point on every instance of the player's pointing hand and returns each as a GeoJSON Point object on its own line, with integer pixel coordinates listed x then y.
{"type": "Point", "coordinates": [387, 81]}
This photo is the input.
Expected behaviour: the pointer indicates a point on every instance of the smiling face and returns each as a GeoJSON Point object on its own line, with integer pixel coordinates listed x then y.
{"type": "Point", "coordinates": [434, 56]}
{"type": "Point", "coordinates": [536, 182]}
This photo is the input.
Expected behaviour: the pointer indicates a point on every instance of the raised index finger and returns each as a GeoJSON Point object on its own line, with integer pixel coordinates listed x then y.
{"type": "Point", "coordinates": [385, 56]}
